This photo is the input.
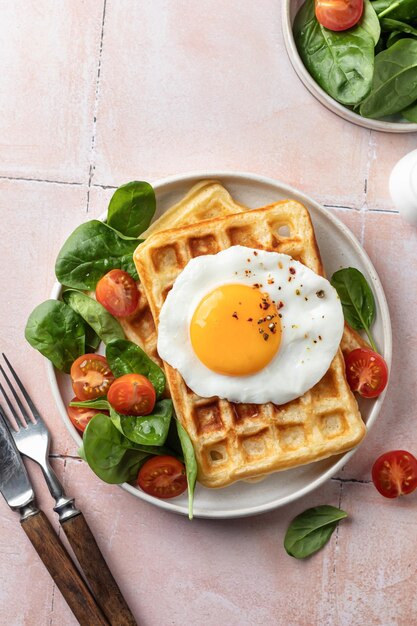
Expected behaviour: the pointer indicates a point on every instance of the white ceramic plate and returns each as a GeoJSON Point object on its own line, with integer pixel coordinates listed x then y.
{"type": "Point", "coordinates": [339, 248]}
{"type": "Point", "coordinates": [289, 11]}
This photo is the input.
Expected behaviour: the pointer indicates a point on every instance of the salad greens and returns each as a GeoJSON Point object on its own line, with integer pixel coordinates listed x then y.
{"type": "Point", "coordinates": [58, 332]}
{"type": "Point", "coordinates": [190, 464]}
{"type": "Point", "coordinates": [378, 79]}
{"type": "Point", "coordinates": [357, 299]}
{"type": "Point", "coordinates": [125, 357]}
{"type": "Point", "coordinates": [114, 445]}
{"type": "Point", "coordinates": [132, 208]}
{"type": "Point", "coordinates": [101, 321]}
{"type": "Point", "coordinates": [311, 530]}
{"type": "Point", "coordinates": [342, 63]}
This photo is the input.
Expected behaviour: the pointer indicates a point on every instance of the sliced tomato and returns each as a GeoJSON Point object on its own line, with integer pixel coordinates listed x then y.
{"type": "Point", "coordinates": [163, 477]}
{"type": "Point", "coordinates": [118, 293]}
{"type": "Point", "coordinates": [91, 376]}
{"type": "Point", "coordinates": [338, 14]}
{"type": "Point", "coordinates": [80, 416]}
{"type": "Point", "coordinates": [366, 372]}
{"type": "Point", "coordinates": [394, 473]}
{"type": "Point", "coordinates": [132, 394]}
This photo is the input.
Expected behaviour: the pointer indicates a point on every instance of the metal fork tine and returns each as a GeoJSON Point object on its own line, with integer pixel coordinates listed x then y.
{"type": "Point", "coordinates": [11, 407]}
{"type": "Point", "coordinates": [16, 397]}
{"type": "Point", "coordinates": [25, 394]}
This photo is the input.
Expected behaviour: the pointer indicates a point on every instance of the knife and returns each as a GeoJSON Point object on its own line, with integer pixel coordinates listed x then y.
{"type": "Point", "coordinates": [19, 495]}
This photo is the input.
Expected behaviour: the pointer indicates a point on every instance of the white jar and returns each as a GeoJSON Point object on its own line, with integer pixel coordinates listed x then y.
{"type": "Point", "coordinates": [403, 187]}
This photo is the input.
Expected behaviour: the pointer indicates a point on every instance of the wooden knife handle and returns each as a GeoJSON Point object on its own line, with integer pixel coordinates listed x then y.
{"type": "Point", "coordinates": [62, 569]}
{"type": "Point", "coordinates": [97, 572]}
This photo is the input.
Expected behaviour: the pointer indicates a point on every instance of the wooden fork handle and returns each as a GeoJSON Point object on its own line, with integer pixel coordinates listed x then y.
{"type": "Point", "coordinates": [62, 569]}
{"type": "Point", "coordinates": [97, 572]}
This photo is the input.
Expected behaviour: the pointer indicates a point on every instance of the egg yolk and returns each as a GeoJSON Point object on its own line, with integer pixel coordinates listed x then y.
{"type": "Point", "coordinates": [235, 330]}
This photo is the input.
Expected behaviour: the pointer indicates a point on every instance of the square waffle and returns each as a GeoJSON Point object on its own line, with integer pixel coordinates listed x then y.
{"type": "Point", "coordinates": [235, 441]}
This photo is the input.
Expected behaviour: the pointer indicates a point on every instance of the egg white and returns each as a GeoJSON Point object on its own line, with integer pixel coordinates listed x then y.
{"type": "Point", "coordinates": [312, 324]}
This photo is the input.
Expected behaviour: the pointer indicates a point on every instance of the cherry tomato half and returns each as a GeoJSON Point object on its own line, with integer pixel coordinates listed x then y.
{"type": "Point", "coordinates": [132, 394]}
{"type": "Point", "coordinates": [338, 14]}
{"type": "Point", "coordinates": [80, 416]}
{"type": "Point", "coordinates": [366, 372]}
{"type": "Point", "coordinates": [91, 376]}
{"type": "Point", "coordinates": [163, 477]}
{"type": "Point", "coordinates": [118, 293]}
{"type": "Point", "coordinates": [395, 473]}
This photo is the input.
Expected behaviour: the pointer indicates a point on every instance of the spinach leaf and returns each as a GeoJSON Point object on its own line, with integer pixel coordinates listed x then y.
{"type": "Point", "coordinates": [109, 454]}
{"type": "Point", "coordinates": [125, 357]}
{"type": "Point", "coordinates": [97, 403]}
{"type": "Point", "coordinates": [104, 324]}
{"type": "Point", "coordinates": [190, 464]}
{"type": "Point", "coordinates": [146, 430]}
{"type": "Point", "coordinates": [342, 62]}
{"type": "Point", "coordinates": [370, 22]}
{"type": "Point", "coordinates": [394, 84]}
{"type": "Point", "coordinates": [92, 340]}
{"type": "Point", "coordinates": [404, 10]}
{"type": "Point", "coordinates": [357, 299]}
{"type": "Point", "coordinates": [389, 25]}
{"type": "Point", "coordinates": [131, 208]}
{"type": "Point", "coordinates": [311, 530]}
{"type": "Point", "coordinates": [57, 332]}
{"type": "Point", "coordinates": [410, 113]}
{"type": "Point", "coordinates": [91, 251]}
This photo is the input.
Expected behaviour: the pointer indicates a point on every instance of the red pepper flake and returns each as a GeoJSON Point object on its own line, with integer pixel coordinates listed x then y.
{"type": "Point", "coordinates": [320, 337]}
{"type": "Point", "coordinates": [305, 298]}
{"type": "Point", "coordinates": [292, 270]}
{"type": "Point", "coordinates": [235, 315]}
{"type": "Point", "coordinates": [280, 315]}
{"type": "Point", "coordinates": [289, 279]}
{"type": "Point", "coordinates": [248, 260]}
{"type": "Point", "coordinates": [266, 336]}
{"type": "Point", "coordinates": [280, 305]}
{"type": "Point", "coordinates": [250, 319]}
{"type": "Point", "coordinates": [314, 340]}
{"type": "Point", "coordinates": [279, 288]}
{"type": "Point", "coordinates": [255, 253]}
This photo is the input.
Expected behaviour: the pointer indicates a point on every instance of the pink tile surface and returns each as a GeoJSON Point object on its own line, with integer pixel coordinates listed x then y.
{"type": "Point", "coordinates": [186, 86]}
{"type": "Point", "coordinates": [47, 88]}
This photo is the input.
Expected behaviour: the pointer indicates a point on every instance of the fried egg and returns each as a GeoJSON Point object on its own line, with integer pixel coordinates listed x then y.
{"type": "Point", "coordinates": [249, 325]}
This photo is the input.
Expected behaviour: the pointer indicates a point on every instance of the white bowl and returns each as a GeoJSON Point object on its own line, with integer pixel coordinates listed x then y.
{"type": "Point", "coordinates": [338, 248]}
{"type": "Point", "coordinates": [289, 11]}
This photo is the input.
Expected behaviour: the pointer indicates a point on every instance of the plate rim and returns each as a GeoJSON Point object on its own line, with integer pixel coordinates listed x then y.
{"type": "Point", "coordinates": [191, 178]}
{"type": "Point", "coordinates": [330, 103]}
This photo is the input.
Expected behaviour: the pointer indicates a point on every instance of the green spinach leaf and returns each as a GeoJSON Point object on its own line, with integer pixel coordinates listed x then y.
{"type": "Point", "coordinates": [394, 84]}
{"type": "Point", "coordinates": [92, 250]}
{"type": "Point", "coordinates": [131, 208]}
{"type": "Point", "coordinates": [108, 453]}
{"type": "Point", "coordinates": [104, 324]}
{"type": "Point", "coordinates": [311, 530]}
{"type": "Point", "coordinates": [97, 403]}
{"type": "Point", "coordinates": [404, 10]}
{"type": "Point", "coordinates": [92, 340]}
{"type": "Point", "coordinates": [147, 430]}
{"type": "Point", "coordinates": [370, 22]}
{"type": "Point", "coordinates": [410, 113]}
{"type": "Point", "coordinates": [357, 299]}
{"type": "Point", "coordinates": [388, 25]}
{"type": "Point", "coordinates": [125, 357]}
{"type": "Point", "coordinates": [190, 464]}
{"type": "Point", "coordinates": [342, 62]}
{"type": "Point", "coordinates": [57, 332]}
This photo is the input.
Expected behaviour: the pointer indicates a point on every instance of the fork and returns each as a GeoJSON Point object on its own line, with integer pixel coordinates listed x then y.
{"type": "Point", "coordinates": [33, 441]}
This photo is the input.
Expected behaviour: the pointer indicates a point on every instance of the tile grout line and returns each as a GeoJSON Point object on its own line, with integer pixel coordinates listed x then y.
{"type": "Point", "coordinates": [95, 111]}
{"type": "Point", "coordinates": [40, 180]}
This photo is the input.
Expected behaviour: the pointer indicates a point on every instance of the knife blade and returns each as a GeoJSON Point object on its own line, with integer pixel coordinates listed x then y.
{"type": "Point", "coordinates": [14, 481]}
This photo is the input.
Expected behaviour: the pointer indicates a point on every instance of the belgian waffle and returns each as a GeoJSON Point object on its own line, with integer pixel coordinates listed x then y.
{"type": "Point", "coordinates": [239, 441]}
